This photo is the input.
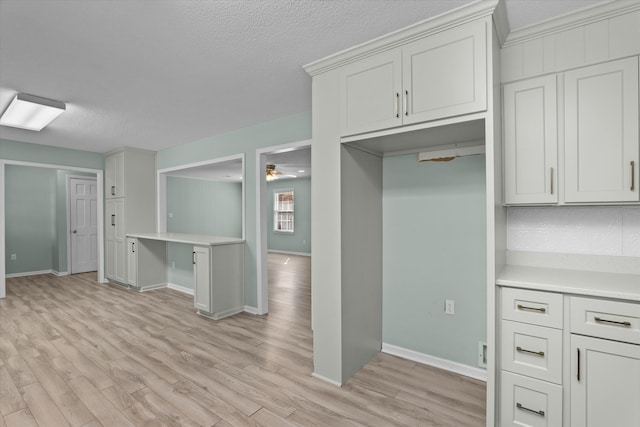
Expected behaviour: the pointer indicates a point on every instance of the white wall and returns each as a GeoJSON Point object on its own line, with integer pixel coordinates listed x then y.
{"type": "Point", "coordinates": [592, 230]}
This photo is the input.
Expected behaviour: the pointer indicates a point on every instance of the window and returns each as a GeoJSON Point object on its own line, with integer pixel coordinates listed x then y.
{"type": "Point", "coordinates": [283, 211]}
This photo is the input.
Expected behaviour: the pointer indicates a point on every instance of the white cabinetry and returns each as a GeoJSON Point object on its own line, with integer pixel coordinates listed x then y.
{"type": "Point", "coordinates": [599, 377]}
{"type": "Point", "coordinates": [439, 76]}
{"type": "Point", "coordinates": [130, 205]}
{"type": "Point", "coordinates": [601, 133]}
{"type": "Point", "coordinates": [531, 141]}
{"type": "Point", "coordinates": [531, 354]}
{"type": "Point", "coordinates": [132, 262]}
{"type": "Point", "coordinates": [218, 274]}
{"type": "Point", "coordinates": [605, 374]}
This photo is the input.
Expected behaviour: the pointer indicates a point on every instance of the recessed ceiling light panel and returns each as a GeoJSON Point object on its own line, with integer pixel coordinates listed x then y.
{"type": "Point", "coordinates": [31, 112]}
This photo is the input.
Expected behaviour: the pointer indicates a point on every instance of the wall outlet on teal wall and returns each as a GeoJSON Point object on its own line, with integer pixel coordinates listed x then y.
{"type": "Point", "coordinates": [13, 257]}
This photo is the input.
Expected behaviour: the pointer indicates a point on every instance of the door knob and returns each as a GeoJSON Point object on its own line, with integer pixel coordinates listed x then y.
{"type": "Point", "coordinates": [74, 231]}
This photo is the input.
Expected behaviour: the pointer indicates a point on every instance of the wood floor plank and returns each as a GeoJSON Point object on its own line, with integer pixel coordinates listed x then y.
{"type": "Point", "coordinates": [10, 398]}
{"type": "Point", "coordinates": [43, 409]}
{"type": "Point", "coordinates": [99, 355]}
{"type": "Point", "coordinates": [21, 418]}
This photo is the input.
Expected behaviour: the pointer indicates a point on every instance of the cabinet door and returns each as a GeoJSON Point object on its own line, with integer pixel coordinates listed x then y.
{"type": "Point", "coordinates": [114, 176]}
{"type": "Point", "coordinates": [601, 133]}
{"type": "Point", "coordinates": [110, 242]}
{"type": "Point", "coordinates": [370, 94]}
{"type": "Point", "coordinates": [202, 278]}
{"type": "Point", "coordinates": [445, 74]}
{"type": "Point", "coordinates": [531, 141]}
{"type": "Point", "coordinates": [605, 384]}
{"type": "Point", "coordinates": [120, 242]}
{"type": "Point", "coordinates": [132, 262]}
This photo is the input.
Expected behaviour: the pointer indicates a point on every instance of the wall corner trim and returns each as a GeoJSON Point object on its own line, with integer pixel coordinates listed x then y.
{"type": "Point", "coordinates": [251, 310]}
{"type": "Point", "coordinates": [437, 362]}
{"type": "Point", "coordinates": [325, 379]}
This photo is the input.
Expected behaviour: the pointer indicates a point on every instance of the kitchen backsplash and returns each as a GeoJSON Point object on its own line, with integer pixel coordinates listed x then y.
{"type": "Point", "coordinates": [592, 230]}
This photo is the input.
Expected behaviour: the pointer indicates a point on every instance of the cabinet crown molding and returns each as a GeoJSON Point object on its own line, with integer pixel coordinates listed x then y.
{"type": "Point", "coordinates": [588, 15]}
{"type": "Point", "coordinates": [471, 12]}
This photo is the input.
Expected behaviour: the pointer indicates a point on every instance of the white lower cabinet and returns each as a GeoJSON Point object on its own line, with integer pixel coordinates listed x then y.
{"type": "Point", "coordinates": [132, 262]}
{"type": "Point", "coordinates": [605, 384]}
{"type": "Point", "coordinates": [529, 402]}
{"type": "Point", "coordinates": [596, 385]}
{"type": "Point", "coordinates": [116, 251]}
{"type": "Point", "coordinates": [218, 274]}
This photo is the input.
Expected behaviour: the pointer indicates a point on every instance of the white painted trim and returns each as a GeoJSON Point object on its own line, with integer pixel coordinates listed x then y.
{"type": "Point", "coordinates": [325, 379]}
{"type": "Point", "coordinates": [99, 179]}
{"type": "Point", "coordinates": [262, 279]}
{"type": "Point", "coordinates": [288, 252]}
{"type": "Point", "coordinates": [68, 209]}
{"type": "Point", "coordinates": [588, 15]}
{"type": "Point", "coordinates": [60, 273]}
{"type": "Point", "coordinates": [29, 273]}
{"type": "Point", "coordinates": [447, 365]}
{"type": "Point", "coordinates": [251, 310]}
{"type": "Point", "coordinates": [182, 289]}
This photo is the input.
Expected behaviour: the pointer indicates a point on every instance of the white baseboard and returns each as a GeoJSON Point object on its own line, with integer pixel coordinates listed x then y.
{"type": "Point", "coordinates": [179, 288]}
{"type": "Point", "coordinates": [288, 252]}
{"type": "Point", "coordinates": [448, 365]}
{"type": "Point", "coordinates": [60, 273]}
{"type": "Point", "coordinates": [325, 379]}
{"type": "Point", "coordinates": [250, 310]}
{"type": "Point", "coordinates": [29, 273]}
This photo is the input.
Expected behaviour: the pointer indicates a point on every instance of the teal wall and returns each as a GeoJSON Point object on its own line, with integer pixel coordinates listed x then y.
{"type": "Point", "coordinates": [22, 151]}
{"type": "Point", "coordinates": [30, 215]}
{"type": "Point", "coordinates": [36, 218]}
{"type": "Point", "coordinates": [300, 240]}
{"type": "Point", "coordinates": [199, 207]}
{"type": "Point", "coordinates": [434, 248]}
{"type": "Point", "coordinates": [246, 140]}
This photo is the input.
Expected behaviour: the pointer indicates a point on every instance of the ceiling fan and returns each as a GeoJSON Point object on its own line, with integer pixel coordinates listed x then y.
{"type": "Point", "coordinates": [272, 173]}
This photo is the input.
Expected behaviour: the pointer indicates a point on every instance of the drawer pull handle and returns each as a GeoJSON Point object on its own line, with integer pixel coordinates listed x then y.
{"type": "Point", "coordinates": [397, 110]}
{"type": "Point", "coordinates": [613, 322]}
{"type": "Point", "coordinates": [524, 350]}
{"type": "Point", "coordinates": [524, 307]}
{"type": "Point", "coordinates": [524, 408]}
{"type": "Point", "coordinates": [578, 373]}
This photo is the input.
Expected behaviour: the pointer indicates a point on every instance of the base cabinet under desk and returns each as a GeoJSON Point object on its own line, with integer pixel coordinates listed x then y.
{"type": "Point", "coordinates": [218, 269]}
{"type": "Point", "coordinates": [567, 360]}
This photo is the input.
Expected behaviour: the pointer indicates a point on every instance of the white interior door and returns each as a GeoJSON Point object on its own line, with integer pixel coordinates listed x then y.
{"type": "Point", "coordinates": [83, 209]}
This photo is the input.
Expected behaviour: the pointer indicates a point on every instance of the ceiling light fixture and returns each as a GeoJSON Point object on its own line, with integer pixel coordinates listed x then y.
{"type": "Point", "coordinates": [31, 112]}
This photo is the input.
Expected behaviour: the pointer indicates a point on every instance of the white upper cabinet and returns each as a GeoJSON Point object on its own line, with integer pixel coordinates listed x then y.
{"type": "Point", "coordinates": [439, 76]}
{"type": "Point", "coordinates": [114, 176]}
{"type": "Point", "coordinates": [601, 133]}
{"type": "Point", "coordinates": [370, 93]}
{"type": "Point", "coordinates": [531, 141]}
{"type": "Point", "coordinates": [445, 74]}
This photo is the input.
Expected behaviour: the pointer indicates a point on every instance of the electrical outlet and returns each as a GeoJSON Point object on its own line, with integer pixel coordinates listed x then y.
{"type": "Point", "coordinates": [13, 257]}
{"type": "Point", "coordinates": [173, 264]}
{"type": "Point", "coordinates": [482, 354]}
{"type": "Point", "coordinates": [449, 307]}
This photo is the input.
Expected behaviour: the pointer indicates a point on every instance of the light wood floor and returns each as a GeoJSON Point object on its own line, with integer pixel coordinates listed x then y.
{"type": "Point", "coordinates": [75, 352]}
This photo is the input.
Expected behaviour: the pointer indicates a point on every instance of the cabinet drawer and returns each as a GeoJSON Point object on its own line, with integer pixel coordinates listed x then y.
{"type": "Point", "coordinates": [532, 350]}
{"type": "Point", "coordinates": [529, 402]}
{"type": "Point", "coordinates": [535, 307]}
{"type": "Point", "coordinates": [612, 320]}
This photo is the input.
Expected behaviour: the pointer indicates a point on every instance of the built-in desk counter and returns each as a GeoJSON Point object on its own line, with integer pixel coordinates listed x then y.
{"type": "Point", "coordinates": [218, 269]}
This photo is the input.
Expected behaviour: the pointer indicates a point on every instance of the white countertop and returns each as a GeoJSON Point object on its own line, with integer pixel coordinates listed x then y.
{"type": "Point", "coordinates": [591, 283]}
{"type": "Point", "coordinates": [192, 239]}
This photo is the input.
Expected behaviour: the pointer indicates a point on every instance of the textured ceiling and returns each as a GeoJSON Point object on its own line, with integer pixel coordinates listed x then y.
{"type": "Point", "coordinates": [155, 74]}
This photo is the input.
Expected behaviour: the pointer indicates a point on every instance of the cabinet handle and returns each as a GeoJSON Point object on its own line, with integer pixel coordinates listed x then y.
{"type": "Point", "coordinates": [193, 257]}
{"type": "Point", "coordinates": [551, 180]}
{"type": "Point", "coordinates": [406, 102]}
{"type": "Point", "coordinates": [578, 375]}
{"type": "Point", "coordinates": [113, 190]}
{"type": "Point", "coordinates": [113, 220]}
{"type": "Point", "coordinates": [524, 408]}
{"type": "Point", "coordinates": [133, 247]}
{"type": "Point", "coordinates": [524, 307]}
{"type": "Point", "coordinates": [397, 105]}
{"type": "Point", "coordinates": [536, 353]}
{"type": "Point", "coordinates": [633, 175]}
{"type": "Point", "coordinates": [613, 322]}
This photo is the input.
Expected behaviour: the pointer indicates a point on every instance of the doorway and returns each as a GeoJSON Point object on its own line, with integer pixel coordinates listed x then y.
{"type": "Point", "coordinates": [82, 193]}
{"type": "Point", "coordinates": [287, 170]}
